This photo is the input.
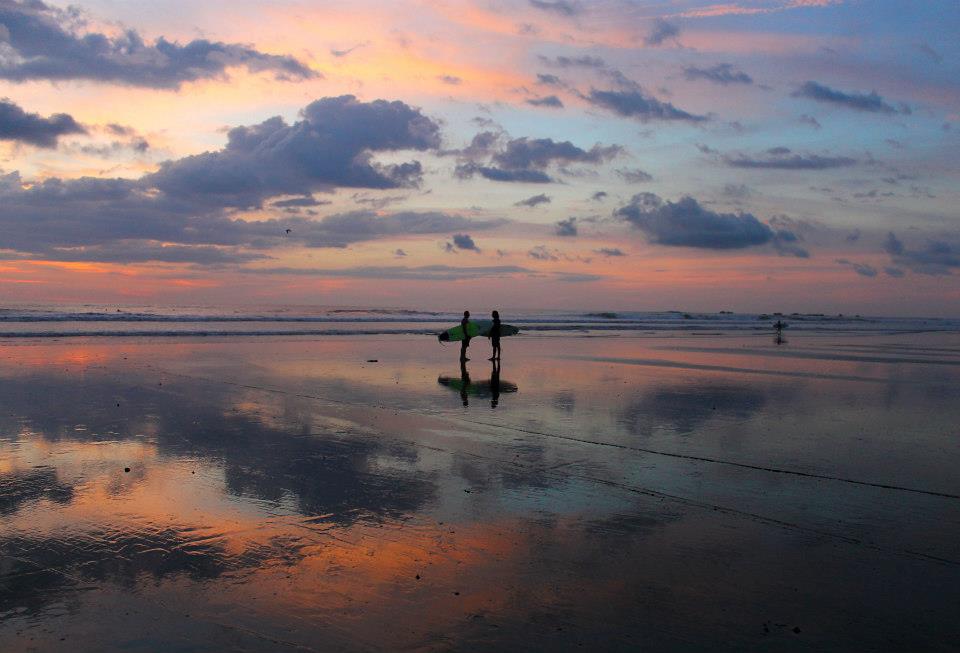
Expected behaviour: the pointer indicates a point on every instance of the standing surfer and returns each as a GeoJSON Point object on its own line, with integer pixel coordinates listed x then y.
{"type": "Point", "coordinates": [466, 337]}
{"type": "Point", "coordinates": [495, 337]}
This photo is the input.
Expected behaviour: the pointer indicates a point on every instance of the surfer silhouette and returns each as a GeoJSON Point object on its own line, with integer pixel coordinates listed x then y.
{"type": "Point", "coordinates": [495, 337]}
{"type": "Point", "coordinates": [466, 337]}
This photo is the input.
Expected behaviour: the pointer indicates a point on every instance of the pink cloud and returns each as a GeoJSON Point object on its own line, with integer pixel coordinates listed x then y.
{"type": "Point", "coordinates": [736, 9]}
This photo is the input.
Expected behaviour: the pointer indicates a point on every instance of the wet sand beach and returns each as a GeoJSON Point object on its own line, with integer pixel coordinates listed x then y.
{"type": "Point", "coordinates": [665, 493]}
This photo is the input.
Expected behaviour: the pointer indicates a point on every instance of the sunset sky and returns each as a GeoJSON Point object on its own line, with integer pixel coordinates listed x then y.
{"type": "Point", "coordinates": [751, 155]}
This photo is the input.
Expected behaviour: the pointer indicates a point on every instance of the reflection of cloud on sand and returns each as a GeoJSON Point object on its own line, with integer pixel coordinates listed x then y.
{"type": "Point", "coordinates": [314, 471]}
{"type": "Point", "coordinates": [43, 570]}
{"type": "Point", "coordinates": [20, 487]}
{"type": "Point", "coordinates": [686, 407]}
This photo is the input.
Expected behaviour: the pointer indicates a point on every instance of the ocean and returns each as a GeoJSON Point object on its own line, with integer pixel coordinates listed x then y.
{"type": "Point", "coordinates": [92, 320]}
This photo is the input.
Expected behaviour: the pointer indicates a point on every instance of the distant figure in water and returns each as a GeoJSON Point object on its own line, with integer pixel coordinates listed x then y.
{"type": "Point", "coordinates": [495, 337]}
{"type": "Point", "coordinates": [779, 326]}
{"type": "Point", "coordinates": [466, 338]}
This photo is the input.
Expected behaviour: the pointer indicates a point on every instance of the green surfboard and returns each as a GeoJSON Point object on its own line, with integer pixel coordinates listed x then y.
{"type": "Point", "coordinates": [476, 328]}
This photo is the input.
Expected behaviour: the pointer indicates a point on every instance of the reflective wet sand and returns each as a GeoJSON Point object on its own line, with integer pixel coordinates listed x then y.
{"type": "Point", "coordinates": [616, 493]}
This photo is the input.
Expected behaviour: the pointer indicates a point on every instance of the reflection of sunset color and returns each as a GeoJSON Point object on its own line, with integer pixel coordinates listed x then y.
{"type": "Point", "coordinates": [294, 493]}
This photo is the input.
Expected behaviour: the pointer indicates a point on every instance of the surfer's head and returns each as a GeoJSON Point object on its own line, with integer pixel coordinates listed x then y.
{"type": "Point", "coordinates": [466, 314]}
{"type": "Point", "coordinates": [496, 315]}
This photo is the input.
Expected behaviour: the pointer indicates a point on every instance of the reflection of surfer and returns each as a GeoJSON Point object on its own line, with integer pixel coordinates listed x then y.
{"type": "Point", "coordinates": [495, 383]}
{"type": "Point", "coordinates": [495, 336]}
{"type": "Point", "coordinates": [465, 342]}
{"type": "Point", "coordinates": [464, 382]}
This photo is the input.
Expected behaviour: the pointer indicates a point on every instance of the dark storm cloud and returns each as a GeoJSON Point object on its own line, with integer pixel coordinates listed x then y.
{"type": "Point", "coordinates": [567, 228]}
{"type": "Point", "coordinates": [482, 146]}
{"type": "Point", "coordinates": [893, 245]}
{"type": "Point", "coordinates": [686, 223]}
{"type": "Point", "coordinates": [863, 269]}
{"type": "Point", "coordinates": [536, 200]}
{"type": "Point", "coordinates": [464, 241]}
{"type": "Point", "coordinates": [465, 171]}
{"type": "Point", "coordinates": [551, 101]}
{"type": "Point", "coordinates": [937, 257]}
{"type": "Point", "coordinates": [871, 102]}
{"type": "Point", "coordinates": [344, 52]}
{"type": "Point", "coordinates": [19, 126]}
{"type": "Point", "coordinates": [42, 44]}
{"type": "Point", "coordinates": [562, 7]}
{"type": "Point", "coordinates": [332, 146]}
{"type": "Point", "coordinates": [298, 202]}
{"type": "Point", "coordinates": [548, 80]}
{"type": "Point", "coordinates": [184, 212]}
{"type": "Point", "coordinates": [119, 219]}
{"type": "Point", "coordinates": [525, 160]}
{"type": "Point", "coordinates": [585, 61]}
{"type": "Point", "coordinates": [722, 73]}
{"type": "Point", "coordinates": [786, 243]}
{"type": "Point", "coordinates": [541, 152]}
{"type": "Point", "coordinates": [635, 103]}
{"type": "Point", "coordinates": [634, 176]}
{"type": "Point", "coordinates": [661, 31]}
{"type": "Point", "coordinates": [119, 130]}
{"type": "Point", "coordinates": [137, 144]}
{"type": "Point", "coordinates": [543, 253]}
{"type": "Point", "coordinates": [782, 158]}
{"type": "Point", "coordinates": [609, 251]}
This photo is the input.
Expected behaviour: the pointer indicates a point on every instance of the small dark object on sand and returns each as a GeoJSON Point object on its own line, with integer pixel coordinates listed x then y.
{"type": "Point", "coordinates": [373, 360]}
{"type": "Point", "coordinates": [796, 630]}
{"type": "Point", "coordinates": [126, 469]}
